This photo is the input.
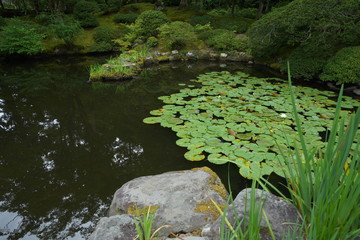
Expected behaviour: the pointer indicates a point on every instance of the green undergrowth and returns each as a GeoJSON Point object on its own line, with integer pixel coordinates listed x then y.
{"type": "Point", "coordinates": [236, 118]}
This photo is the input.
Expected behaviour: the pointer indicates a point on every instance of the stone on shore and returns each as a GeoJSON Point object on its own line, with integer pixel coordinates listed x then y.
{"type": "Point", "coordinates": [282, 215]}
{"type": "Point", "coordinates": [181, 199]}
{"type": "Point", "coordinates": [118, 227]}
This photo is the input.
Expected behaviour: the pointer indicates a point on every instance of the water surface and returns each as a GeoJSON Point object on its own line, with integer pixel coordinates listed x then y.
{"type": "Point", "coordinates": [66, 145]}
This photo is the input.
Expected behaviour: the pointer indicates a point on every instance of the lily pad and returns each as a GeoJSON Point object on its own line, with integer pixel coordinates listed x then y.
{"type": "Point", "coordinates": [246, 120]}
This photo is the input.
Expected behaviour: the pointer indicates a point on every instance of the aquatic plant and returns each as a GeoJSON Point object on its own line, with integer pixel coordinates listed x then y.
{"type": "Point", "coordinates": [237, 118]}
{"type": "Point", "coordinates": [321, 185]}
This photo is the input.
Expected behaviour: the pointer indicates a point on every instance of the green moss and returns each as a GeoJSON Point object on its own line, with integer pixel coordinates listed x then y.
{"type": "Point", "coordinates": [134, 210]}
{"type": "Point", "coordinates": [207, 207]}
{"type": "Point", "coordinates": [214, 182]}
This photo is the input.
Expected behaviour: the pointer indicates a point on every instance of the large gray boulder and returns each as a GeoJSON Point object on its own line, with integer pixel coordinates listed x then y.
{"type": "Point", "coordinates": [282, 215]}
{"type": "Point", "coordinates": [119, 227]}
{"type": "Point", "coordinates": [181, 199]}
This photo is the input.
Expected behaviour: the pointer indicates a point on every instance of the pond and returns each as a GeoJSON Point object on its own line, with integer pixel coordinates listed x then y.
{"type": "Point", "coordinates": [66, 145]}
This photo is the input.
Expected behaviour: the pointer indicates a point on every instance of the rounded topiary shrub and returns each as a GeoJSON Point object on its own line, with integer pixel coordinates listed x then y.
{"type": "Point", "coordinates": [152, 42]}
{"type": "Point", "coordinates": [224, 40]}
{"type": "Point", "coordinates": [148, 22]}
{"type": "Point", "coordinates": [104, 34]}
{"type": "Point", "coordinates": [247, 13]}
{"type": "Point", "coordinates": [177, 34]}
{"type": "Point", "coordinates": [88, 21]}
{"type": "Point", "coordinates": [201, 20]}
{"type": "Point", "coordinates": [2, 21]}
{"type": "Point", "coordinates": [344, 67]}
{"type": "Point", "coordinates": [84, 13]}
{"type": "Point", "coordinates": [125, 18]}
{"type": "Point", "coordinates": [82, 7]}
{"type": "Point", "coordinates": [104, 37]}
{"type": "Point", "coordinates": [232, 24]}
{"type": "Point", "coordinates": [305, 64]}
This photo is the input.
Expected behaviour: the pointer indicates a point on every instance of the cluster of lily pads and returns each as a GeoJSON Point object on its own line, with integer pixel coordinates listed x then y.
{"type": "Point", "coordinates": [245, 120]}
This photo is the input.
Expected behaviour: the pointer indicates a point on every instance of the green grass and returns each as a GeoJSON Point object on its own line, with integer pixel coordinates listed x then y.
{"type": "Point", "coordinates": [324, 182]}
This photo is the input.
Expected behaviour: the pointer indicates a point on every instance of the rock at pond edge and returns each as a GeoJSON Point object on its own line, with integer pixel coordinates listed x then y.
{"type": "Point", "coordinates": [182, 198]}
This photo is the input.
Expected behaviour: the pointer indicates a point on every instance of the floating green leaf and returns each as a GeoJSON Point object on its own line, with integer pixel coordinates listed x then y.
{"type": "Point", "coordinates": [245, 120]}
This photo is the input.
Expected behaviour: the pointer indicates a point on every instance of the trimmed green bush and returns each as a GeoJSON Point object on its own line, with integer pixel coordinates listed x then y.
{"type": "Point", "coordinates": [83, 11]}
{"type": "Point", "coordinates": [305, 64]}
{"type": "Point", "coordinates": [344, 67]}
{"type": "Point", "coordinates": [247, 13]}
{"type": "Point", "coordinates": [83, 6]}
{"type": "Point", "coordinates": [177, 34]}
{"type": "Point", "coordinates": [2, 21]}
{"type": "Point", "coordinates": [201, 20]}
{"type": "Point", "coordinates": [218, 12]}
{"type": "Point", "coordinates": [148, 22]}
{"type": "Point", "coordinates": [67, 31]}
{"type": "Point", "coordinates": [104, 34]}
{"type": "Point", "coordinates": [104, 37]}
{"type": "Point", "coordinates": [232, 24]}
{"type": "Point", "coordinates": [224, 40]}
{"type": "Point", "coordinates": [87, 20]}
{"type": "Point", "coordinates": [125, 18]}
{"type": "Point", "coordinates": [152, 42]}
{"type": "Point", "coordinates": [21, 37]}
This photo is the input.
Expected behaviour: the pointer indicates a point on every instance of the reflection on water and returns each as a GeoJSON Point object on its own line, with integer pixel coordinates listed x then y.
{"type": "Point", "coordinates": [66, 146]}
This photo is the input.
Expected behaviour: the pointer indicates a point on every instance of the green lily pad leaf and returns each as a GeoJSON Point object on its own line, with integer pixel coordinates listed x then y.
{"type": "Point", "coordinates": [213, 142]}
{"type": "Point", "coordinates": [217, 158]}
{"type": "Point", "coordinates": [194, 155]}
{"type": "Point", "coordinates": [183, 142]}
{"type": "Point", "coordinates": [152, 120]}
{"type": "Point", "coordinates": [247, 120]}
{"type": "Point", "coordinates": [157, 112]}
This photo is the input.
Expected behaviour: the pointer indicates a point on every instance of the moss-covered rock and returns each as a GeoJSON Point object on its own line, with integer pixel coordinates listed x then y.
{"type": "Point", "coordinates": [182, 199]}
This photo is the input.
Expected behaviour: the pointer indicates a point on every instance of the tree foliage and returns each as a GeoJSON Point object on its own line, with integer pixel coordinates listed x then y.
{"type": "Point", "coordinates": [177, 34]}
{"type": "Point", "coordinates": [148, 22]}
{"type": "Point", "coordinates": [21, 37]}
{"type": "Point", "coordinates": [317, 24]}
{"type": "Point", "coordinates": [344, 66]}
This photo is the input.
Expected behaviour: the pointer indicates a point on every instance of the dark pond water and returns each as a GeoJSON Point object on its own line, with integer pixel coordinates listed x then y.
{"type": "Point", "coordinates": [66, 146]}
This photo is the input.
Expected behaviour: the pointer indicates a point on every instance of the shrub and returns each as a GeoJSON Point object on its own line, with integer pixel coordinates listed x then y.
{"type": "Point", "coordinates": [177, 34]}
{"type": "Point", "coordinates": [87, 20]}
{"type": "Point", "coordinates": [343, 67]}
{"type": "Point", "coordinates": [21, 37]}
{"type": "Point", "coordinates": [104, 37]}
{"type": "Point", "coordinates": [201, 20]}
{"type": "Point", "coordinates": [83, 6]}
{"type": "Point", "coordinates": [148, 22]}
{"type": "Point", "coordinates": [45, 19]}
{"type": "Point", "coordinates": [114, 5]}
{"type": "Point", "coordinates": [218, 12]}
{"type": "Point", "coordinates": [152, 42]}
{"type": "Point", "coordinates": [104, 34]}
{"type": "Point", "coordinates": [225, 40]}
{"type": "Point", "coordinates": [247, 13]}
{"type": "Point", "coordinates": [66, 31]}
{"type": "Point", "coordinates": [305, 64]}
{"type": "Point", "coordinates": [301, 22]}
{"type": "Point", "coordinates": [232, 24]}
{"type": "Point", "coordinates": [83, 11]}
{"type": "Point", "coordinates": [202, 28]}
{"type": "Point", "coordinates": [2, 21]}
{"type": "Point", "coordinates": [125, 18]}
